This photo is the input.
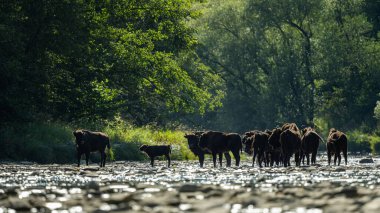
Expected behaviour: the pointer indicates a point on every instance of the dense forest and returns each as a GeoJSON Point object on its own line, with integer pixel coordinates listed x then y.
{"type": "Point", "coordinates": [231, 65]}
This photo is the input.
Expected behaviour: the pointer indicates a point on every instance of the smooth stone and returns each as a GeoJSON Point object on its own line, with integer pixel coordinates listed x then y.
{"type": "Point", "coordinates": [366, 160]}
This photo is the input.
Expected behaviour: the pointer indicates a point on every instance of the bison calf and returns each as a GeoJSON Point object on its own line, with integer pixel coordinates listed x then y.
{"type": "Point", "coordinates": [87, 141]}
{"type": "Point", "coordinates": [155, 151]}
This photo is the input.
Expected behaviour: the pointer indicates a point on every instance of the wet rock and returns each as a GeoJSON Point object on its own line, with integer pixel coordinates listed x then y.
{"type": "Point", "coordinates": [189, 188]}
{"type": "Point", "coordinates": [366, 160]}
{"type": "Point", "coordinates": [340, 169]}
{"type": "Point", "coordinates": [16, 204]}
{"type": "Point", "coordinates": [92, 185]}
{"type": "Point", "coordinates": [372, 206]}
{"type": "Point", "coordinates": [119, 198]}
{"type": "Point", "coordinates": [167, 199]}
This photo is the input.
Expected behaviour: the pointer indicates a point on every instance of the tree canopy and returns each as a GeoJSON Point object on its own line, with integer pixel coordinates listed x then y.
{"type": "Point", "coordinates": [78, 59]}
{"type": "Point", "coordinates": [229, 65]}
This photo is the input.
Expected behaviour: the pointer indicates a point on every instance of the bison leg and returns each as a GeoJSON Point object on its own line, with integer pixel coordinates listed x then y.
{"type": "Point", "coordinates": [152, 161]}
{"type": "Point", "coordinates": [297, 159]}
{"type": "Point", "coordinates": [254, 157]}
{"type": "Point", "coordinates": [314, 157]}
{"type": "Point", "coordinates": [329, 157]}
{"type": "Point", "coordinates": [78, 157]}
{"type": "Point", "coordinates": [260, 158]}
{"type": "Point", "coordinates": [345, 156]}
{"type": "Point", "coordinates": [220, 155]}
{"type": "Point", "coordinates": [272, 159]}
{"type": "Point", "coordinates": [87, 157]}
{"type": "Point", "coordinates": [201, 159]}
{"type": "Point", "coordinates": [237, 157]}
{"type": "Point", "coordinates": [168, 157]}
{"type": "Point", "coordinates": [104, 162]}
{"type": "Point", "coordinates": [214, 159]}
{"type": "Point", "coordinates": [335, 158]}
{"type": "Point", "coordinates": [228, 158]}
{"type": "Point", "coordinates": [103, 159]}
{"type": "Point", "coordinates": [308, 158]}
{"type": "Point", "coordinates": [286, 159]}
{"type": "Point", "coordinates": [339, 158]}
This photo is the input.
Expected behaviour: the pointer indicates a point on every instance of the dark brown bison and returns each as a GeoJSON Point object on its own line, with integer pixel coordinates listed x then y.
{"type": "Point", "coordinates": [258, 145]}
{"type": "Point", "coordinates": [219, 143]}
{"type": "Point", "coordinates": [87, 142]}
{"type": "Point", "coordinates": [248, 134]}
{"type": "Point", "coordinates": [290, 144]}
{"type": "Point", "coordinates": [291, 126]}
{"type": "Point", "coordinates": [275, 147]}
{"type": "Point", "coordinates": [155, 151]}
{"type": "Point", "coordinates": [336, 143]}
{"type": "Point", "coordinates": [193, 142]}
{"type": "Point", "coordinates": [310, 144]}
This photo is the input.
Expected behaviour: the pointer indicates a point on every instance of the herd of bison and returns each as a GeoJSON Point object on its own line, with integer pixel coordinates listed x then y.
{"type": "Point", "coordinates": [269, 147]}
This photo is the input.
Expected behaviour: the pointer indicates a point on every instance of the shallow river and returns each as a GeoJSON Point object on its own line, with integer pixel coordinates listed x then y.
{"type": "Point", "coordinates": [136, 187]}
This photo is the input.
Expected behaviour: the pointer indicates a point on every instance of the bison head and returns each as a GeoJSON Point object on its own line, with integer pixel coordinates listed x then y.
{"type": "Point", "coordinates": [143, 148]}
{"type": "Point", "coordinates": [192, 141]}
{"type": "Point", "coordinates": [247, 135]}
{"type": "Point", "coordinates": [248, 145]}
{"type": "Point", "coordinates": [79, 137]}
{"type": "Point", "coordinates": [274, 138]}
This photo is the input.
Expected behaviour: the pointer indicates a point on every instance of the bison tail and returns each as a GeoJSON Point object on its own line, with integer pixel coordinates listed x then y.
{"type": "Point", "coordinates": [170, 149]}
{"type": "Point", "coordinates": [321, 138]}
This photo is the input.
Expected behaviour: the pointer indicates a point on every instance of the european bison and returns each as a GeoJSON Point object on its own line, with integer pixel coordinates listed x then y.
{"type": "Point", "coordinates": [291, 126]}
{"type": "Point", "coordinates": [193, 142]}
{"type": "Point", "coordinates": [87, 142]}
{"type": "Point", "coordinates": [155, 151]}
{"type": "Point", "coordinates": [336, 143]}
{"type": "Point", "coordinates": [310, 144]}
{"type": "Point", "coordinates": [219, 143]}
{"type": "Point", "coordinates": [275, 147]}
{"type": "Point", "coordinates": [258, 145]}
{"type": "Point", "coordinates": [290, 144]}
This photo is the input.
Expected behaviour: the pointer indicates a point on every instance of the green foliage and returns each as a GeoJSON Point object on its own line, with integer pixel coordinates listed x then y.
{"type": "Point", "coordinates": [126, 139]}
{"type": "Point", "coordinates": [43, 143]}
{"type": "Point", "coordinates": [362, 142]}
{"type": "Point", "coordinates": [74, 60]}
{"type": "Point", "coordinates": [291, 61]}
{"type": "Point", "coordinates": [54, 142]}
{"type": "Point", "coordinates": [377, 110]}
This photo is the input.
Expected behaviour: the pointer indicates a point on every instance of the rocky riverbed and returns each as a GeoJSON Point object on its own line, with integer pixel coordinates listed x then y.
{"type": "Point", "coordinates": [136, 187]}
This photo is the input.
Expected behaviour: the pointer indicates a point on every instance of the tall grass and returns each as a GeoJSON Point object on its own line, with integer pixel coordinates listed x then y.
{"type": "Point", "coordinates": [127, 139]}
{"type": "Point", "coordinates": [54, 142]}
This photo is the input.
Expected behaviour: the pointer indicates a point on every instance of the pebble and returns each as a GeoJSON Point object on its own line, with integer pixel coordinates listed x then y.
{"type": "Point", "coordinates": [136, 187]}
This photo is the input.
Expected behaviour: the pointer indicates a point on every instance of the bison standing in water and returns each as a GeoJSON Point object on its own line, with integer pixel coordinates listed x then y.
{"type": "Point", "coordinates": [87, 142]}
{"type": "Point", "coordinates": [219, 143]}
{"type": "Point", "coordinates": [193, 142]}
{"type": "Point", "coordinates": [336, 143]}
{"type": "Point", "coordinates": [275, 147]}
{"type": "Point", "coordinates": [258, 145]}
{"type": "Point", "coordinates": [290, 144]}
{"type": "Point", "coordinates": [310, 144]}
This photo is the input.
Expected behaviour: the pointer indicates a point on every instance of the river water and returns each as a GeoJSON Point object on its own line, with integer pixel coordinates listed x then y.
{"type": "Point", "coordinates": [137, 187]}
